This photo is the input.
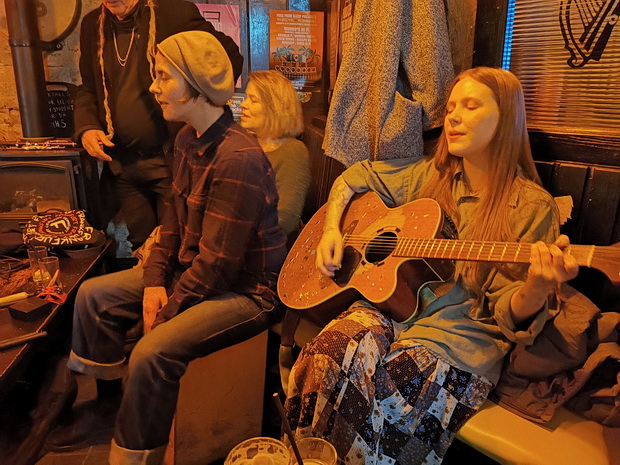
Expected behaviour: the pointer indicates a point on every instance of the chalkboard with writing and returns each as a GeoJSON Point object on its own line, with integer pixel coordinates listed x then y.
{"type": "Point", "coordinates": [60, 98]}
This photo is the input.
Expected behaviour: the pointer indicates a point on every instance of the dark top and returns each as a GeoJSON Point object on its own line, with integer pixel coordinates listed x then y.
{"type": "Point", "coordinates": [138, 124]}
{"type": "Point", "coordinates": [137, 118]}
{"type": "Point", "coordinates": [221, 228]}
{"type": "Point", "coordinates": [291, 163]}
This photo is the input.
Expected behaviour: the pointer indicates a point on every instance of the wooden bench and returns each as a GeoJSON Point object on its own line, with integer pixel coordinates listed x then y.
{"type": "Point", "coordinates": [568, 439]}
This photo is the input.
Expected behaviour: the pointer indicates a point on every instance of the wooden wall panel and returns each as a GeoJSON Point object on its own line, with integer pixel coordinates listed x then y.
{"type": "Point", "coordinates": [461, 16]}
{"type": "Point", "coordinates": [570, 179]}
{"type": "Point", "coordinates": [596, 218]}
{"type": "Point", "coordinates": [599, 208]}
{"type": "Point", "coordinates": [576, 148]}
{"type": "Point", "coordinates": [489, 36]}
{"type": "Point", "coordinates": [324, 169]}
{"type": "Point", "coordinates": [545, 171]}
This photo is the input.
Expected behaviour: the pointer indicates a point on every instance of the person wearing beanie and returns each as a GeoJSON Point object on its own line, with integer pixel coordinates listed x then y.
{"type": "Point", "coordinates": [117, 120]}
{"type": "Point", "coordinates": [209, 281]}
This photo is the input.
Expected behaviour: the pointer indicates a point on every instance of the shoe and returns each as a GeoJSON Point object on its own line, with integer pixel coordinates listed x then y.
{"type": "Point", "coordinates": [91, 423]}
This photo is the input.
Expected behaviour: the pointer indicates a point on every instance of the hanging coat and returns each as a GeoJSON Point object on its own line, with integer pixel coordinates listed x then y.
{"type": "Point", "coordinates": [393, 81]}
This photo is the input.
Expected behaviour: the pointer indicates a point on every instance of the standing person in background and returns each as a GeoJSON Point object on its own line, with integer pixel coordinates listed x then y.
{"type": "Point", "coordinates": [272, 111]}
{"type": "Point", "coordinates": [210, 279]}
{"type": "Point", "coordinates": [385, 392]}
{"type": "Point", "coordinates": [117, 119]}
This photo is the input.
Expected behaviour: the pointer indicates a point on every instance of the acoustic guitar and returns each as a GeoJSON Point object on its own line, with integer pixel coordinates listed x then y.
{"type": "Point", "coordinates": [390, 253]}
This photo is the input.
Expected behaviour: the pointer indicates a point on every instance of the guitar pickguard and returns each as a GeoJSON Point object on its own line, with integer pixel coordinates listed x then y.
{"type": "Point", "coordinates": [351, 259]}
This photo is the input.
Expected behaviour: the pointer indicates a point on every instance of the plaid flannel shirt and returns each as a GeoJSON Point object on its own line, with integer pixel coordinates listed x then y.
{"type": "Point", "coordinates": [220, 230]}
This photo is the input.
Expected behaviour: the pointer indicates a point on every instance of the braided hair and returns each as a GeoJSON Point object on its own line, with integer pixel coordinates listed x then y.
{"type": "Point", "coordinates": [150, 56]}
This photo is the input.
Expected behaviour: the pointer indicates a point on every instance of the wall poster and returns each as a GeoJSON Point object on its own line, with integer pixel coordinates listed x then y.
{"type": "Point", "coordinates": [296, 46]}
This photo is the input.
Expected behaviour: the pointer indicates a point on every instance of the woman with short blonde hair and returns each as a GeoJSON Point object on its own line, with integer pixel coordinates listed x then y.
{"type": "Point", "coordinates": [272, 111]}
{"type": "Point", "coordinates": [283, 113]}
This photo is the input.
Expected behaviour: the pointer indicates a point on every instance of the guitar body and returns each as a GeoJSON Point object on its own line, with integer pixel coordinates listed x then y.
{"type": "Point", "coordinates": [369, 269]}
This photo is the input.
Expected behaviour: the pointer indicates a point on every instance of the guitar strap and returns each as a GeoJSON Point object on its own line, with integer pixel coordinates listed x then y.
{"type": "Point", "coordinates": [289, 325]}
{"type": "Point", "coordinates": [287, 342]}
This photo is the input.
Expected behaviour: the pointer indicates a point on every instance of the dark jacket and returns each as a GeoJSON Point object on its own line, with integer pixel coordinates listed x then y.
{"type": "Point", "coordinates": [172, 17]}
{"type": "Point", "coordinates": [574, 361]}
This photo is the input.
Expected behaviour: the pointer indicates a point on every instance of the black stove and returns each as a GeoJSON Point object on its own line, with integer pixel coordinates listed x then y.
{"type": "Point", "coordinates": [37, 175]}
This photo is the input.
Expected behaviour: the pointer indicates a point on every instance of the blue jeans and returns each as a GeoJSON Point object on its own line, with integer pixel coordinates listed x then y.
{"type": "Point", "coordinates": [107, 306]}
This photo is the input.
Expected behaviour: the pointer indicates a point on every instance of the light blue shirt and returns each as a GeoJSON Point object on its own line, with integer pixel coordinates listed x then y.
{"type": "Point", "coordinates": [472, 336]}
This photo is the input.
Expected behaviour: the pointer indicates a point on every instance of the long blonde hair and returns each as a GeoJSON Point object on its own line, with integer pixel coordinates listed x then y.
{"type": "Point", "coordinates": [150, 56]}
{"type": "Point", "coordinates": [284, 116]}
{"type": "Point", "coordinates": [511, 148]}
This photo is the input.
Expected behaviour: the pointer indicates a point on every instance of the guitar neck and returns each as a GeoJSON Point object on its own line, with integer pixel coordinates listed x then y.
{"type": "Point", "coordinates": [479, 251]}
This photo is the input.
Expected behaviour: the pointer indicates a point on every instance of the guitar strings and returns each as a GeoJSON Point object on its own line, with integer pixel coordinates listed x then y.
{"type": "Point", "coordinates": [438, 248]}
{"type": "Point", "coordinates": [507, 252]}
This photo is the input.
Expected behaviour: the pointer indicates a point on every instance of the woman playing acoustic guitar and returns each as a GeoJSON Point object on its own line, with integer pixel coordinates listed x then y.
{"type": "Point", "coordinates": [396, 392]}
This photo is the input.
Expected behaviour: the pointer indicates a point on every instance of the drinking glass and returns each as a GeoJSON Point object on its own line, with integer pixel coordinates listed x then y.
{"type": "Point", "coordinates": [50, 273]}
{"type": "Point", "coordinates": [259, 451]}
{"type": "Point", "coordinates": [35, 255]}
{"type": "Point", "coordinates": [315, 451]}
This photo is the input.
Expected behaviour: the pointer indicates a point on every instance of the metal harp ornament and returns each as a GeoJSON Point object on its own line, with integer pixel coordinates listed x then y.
{"type": "Point", "coordinates": [586, 28]}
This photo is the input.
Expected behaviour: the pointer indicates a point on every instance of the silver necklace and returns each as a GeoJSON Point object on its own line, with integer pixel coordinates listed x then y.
{"type": "Point", "coordinates": [123, 61]}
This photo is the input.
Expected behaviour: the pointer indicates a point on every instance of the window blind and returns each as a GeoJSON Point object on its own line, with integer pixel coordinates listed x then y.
{"type": "Point", "coordinates": [567, 55]}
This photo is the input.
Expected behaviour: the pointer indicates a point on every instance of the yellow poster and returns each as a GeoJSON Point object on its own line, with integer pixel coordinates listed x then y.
{"type": "Point", "coordinates": [296, 45]}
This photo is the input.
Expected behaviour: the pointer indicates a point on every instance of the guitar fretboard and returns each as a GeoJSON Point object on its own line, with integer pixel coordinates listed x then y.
{"type": "Point", "coordinates": [449, 249]}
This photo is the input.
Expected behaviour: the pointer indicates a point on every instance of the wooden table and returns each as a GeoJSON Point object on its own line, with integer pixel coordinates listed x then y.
{"type": "Point", "coordinates": [15, 359]}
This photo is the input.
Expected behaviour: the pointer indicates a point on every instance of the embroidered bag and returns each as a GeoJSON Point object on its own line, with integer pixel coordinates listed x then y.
{"type": "Point", "coordinates": [64, 229]}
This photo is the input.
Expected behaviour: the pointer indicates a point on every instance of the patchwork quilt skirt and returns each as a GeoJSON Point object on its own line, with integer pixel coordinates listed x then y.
{"type": "Point", "coordinates": [377, 400]}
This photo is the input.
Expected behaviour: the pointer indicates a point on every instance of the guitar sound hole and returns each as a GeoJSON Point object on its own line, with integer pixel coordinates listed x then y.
{"type": "Point", "coordinates": [380, 247]}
